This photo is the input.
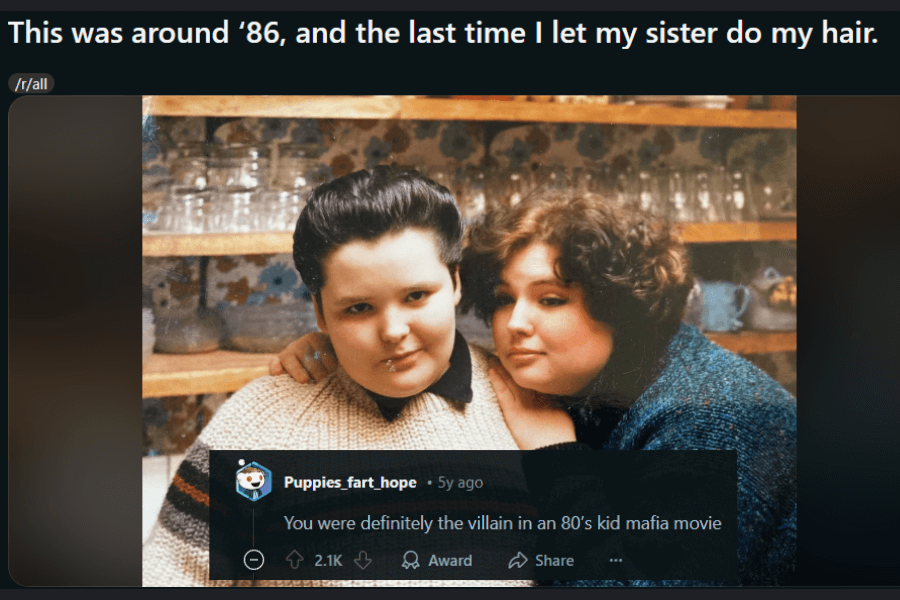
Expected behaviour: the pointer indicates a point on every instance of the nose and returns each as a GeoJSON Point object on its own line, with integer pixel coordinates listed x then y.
{"type": "Point", "coordinates": [520, 319]}
{"type": "Point", "coordinates": [395, 327]}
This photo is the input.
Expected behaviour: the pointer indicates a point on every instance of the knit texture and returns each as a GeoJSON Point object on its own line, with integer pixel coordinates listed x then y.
{"type": "Point", "coordinates": [277, 413]}
{"type": "Point", "coordinates": [707, 398]}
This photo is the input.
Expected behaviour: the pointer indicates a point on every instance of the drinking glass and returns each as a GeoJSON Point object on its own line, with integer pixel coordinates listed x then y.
{"type": "Point", "coordinates": [681, 206]}
{"type": "Point", "coordinates": [188, 165]}
{"type": "Point", "coordinates": [297, 167]}
{"type": "Point", "coordinates": [707, 198]}
{"type": "Point", "coordinates": [738, 199]}
{"type": "Point", "coordinates": [239, 166]}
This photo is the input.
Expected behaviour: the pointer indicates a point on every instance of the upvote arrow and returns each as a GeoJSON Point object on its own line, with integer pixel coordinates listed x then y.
{"type": "Point", "coordinates": [517, 561]}
{"type": "Point", "coordinates": [294, 558]}
{"type": "Point", "coordinates": [363, 561]}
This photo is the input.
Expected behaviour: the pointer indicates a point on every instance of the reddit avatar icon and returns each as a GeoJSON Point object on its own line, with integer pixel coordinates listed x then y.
{"type": "Point", "coordinates": [254, 481]}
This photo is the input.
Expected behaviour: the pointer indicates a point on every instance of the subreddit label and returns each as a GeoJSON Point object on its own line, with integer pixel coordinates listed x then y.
{"type": "Point", "coordinates": [31, 83]}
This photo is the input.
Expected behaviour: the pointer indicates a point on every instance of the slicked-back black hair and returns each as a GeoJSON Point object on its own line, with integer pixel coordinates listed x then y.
{"type": "Point", "coordinates": [366, 205]}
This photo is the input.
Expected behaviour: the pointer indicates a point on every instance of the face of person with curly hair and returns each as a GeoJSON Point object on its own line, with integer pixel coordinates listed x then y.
{"type": "Point", "coordinates": [543, 332]}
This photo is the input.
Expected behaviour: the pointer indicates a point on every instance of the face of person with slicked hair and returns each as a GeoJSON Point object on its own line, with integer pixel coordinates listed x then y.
{"type": "Point", "coordinates": [389, 307]}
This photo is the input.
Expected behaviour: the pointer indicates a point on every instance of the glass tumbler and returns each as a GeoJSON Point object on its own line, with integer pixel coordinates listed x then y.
{"type": "Point", "coordinates": [471, 190]}
{"type": "Point", "coordinates": [238, 211]}
{"type": "Point", "coordinates": [188, 165]}
{"type": "Point", "coordinates": [651, 197]}
{"type": "Point", "coordinates": [737, 199]}
{"type": "Point", "coordinates": [186, 210]}
{"type": "Point", "coordinates": [707, 195]}
{"type": "Point", "coordinates": [279, 209]}
{"type": "Point", "coordinates": [681, 206]}
{"type": "Point", "coordinates": [627, 189]}
{"type": "Point", "coordinates": [239, 166]}
{"type": "Point", "coordinates": [297, 167]}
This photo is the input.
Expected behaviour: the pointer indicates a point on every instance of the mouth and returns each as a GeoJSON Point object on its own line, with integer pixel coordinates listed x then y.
{"type": "Point", "coordinates": [521, 356]}
{"type": "Point", "coordinates": [401, 361]}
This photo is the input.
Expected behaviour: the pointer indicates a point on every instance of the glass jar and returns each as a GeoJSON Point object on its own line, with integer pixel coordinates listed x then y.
{"type": "Point", "coordinates": [471, 191]}
{"type": "Point", "coordinates": [188, 165]}
{"type": "Point", "coordinates": [298, 166]}
{"type": "Point", "coordinates": [652, 193]}
{"type": "Point", "coordinates": [681, 206]}
{"type": "Point", "coordinates": [626, 193]}
{"type": "Point", "coordinates": [237, 211]}
{"type": "Point", "coordinates": [738, 199]}
{"type": "Point", "coordinates": [280, 209]}
{"type": "Point", "coordinates": [186, 210]}
{"type": "Point", "coordinates": [553, 179]}
{"type": "Point", "coordinates": [239, 166]}
{"type": "Point", "coordinates": [707, 195]}
{"type": "Point", "coordinates": [518, 185]}
{"type": "Point", "coordinates": [588, 182]}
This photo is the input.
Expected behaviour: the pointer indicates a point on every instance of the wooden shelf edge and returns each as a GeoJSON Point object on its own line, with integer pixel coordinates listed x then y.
{"type": "Point", "coordinates": [375, 107]}
{"type": "Point", "coordinates": [209, 373]}
{"type": "Point", "coordinates": [757, 231]}
{"type": "Point", "coordinates": [217, 244]}
{"type": "Point", "coordinates": [756, 342]}
{"type": "Point", "coordinates": [231, 244]}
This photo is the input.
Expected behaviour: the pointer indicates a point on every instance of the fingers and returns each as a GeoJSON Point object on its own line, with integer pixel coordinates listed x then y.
{"type": "Point", "coordinates": [328, 358]}
{"type": "Point", "coordinates": [312, 362]}
{"type": "Point", "coordinates": [294, 368]}
{"type": "Point", "coordinates": [275, 367]}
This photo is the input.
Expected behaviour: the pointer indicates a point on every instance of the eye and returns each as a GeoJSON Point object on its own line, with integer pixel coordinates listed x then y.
{"type": "Point", "coordinates": [553, 301]}
{"type": "Point", "coordinates": [249, 477]}
{"type": "Point", "coordinates": [417, 296]}
{"type": "Point", "coordinates": [358, 309]}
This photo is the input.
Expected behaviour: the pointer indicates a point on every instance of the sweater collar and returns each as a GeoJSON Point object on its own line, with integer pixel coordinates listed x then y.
{"type": "Point", "coordinates": [454, 385]}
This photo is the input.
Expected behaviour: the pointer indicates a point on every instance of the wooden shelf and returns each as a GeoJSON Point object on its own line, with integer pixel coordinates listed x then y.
{"type": "Point", "coordinates": [442, 109]}
{"type": "Point", "coordinates": [223, 371]}
{"type": "Point", "coordinates": [217, 244]}
{"type": "Point", "coordinates": [208, 373]}
{"type": "Point", "coordinates": [758, 231]}
{"type": "Point", "coordinates": [227, 244]}
{"type": "Point", "coordinates": [756, 342]}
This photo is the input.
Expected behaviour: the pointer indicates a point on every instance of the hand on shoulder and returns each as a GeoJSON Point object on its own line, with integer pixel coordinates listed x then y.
{"type": "Point", "coordinates": [534, 420]}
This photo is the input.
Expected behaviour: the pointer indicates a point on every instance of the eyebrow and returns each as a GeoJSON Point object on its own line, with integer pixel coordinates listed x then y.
{"type": "Point", "coordinates": [351, 300]}
{"type": "Point", "coordinates": [553, 281]}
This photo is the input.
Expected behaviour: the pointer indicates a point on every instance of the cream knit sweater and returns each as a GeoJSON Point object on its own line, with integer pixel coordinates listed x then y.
{"type": "Point", "coordinates": [276, 413]}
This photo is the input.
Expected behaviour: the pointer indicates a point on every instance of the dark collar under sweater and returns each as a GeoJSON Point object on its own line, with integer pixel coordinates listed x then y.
{"type": "Point", "coordinates": [454, 385]}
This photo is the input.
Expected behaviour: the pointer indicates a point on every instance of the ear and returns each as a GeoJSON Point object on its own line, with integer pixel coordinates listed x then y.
{"type": "Point", "coordinates": [320, 319]}
{"type": "Point", "coordinates": [457, 287]}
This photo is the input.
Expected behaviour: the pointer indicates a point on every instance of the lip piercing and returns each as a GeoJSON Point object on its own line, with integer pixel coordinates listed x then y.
{"type": "Point", "coordinates": [391, 366]}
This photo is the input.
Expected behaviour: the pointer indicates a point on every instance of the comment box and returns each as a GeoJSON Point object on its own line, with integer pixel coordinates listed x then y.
{"type": "Point", "coordinates": [369, 515]}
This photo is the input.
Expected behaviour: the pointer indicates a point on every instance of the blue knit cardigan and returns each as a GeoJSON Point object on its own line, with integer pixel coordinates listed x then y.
{"type": "Point", "coordinates": [707, 398]}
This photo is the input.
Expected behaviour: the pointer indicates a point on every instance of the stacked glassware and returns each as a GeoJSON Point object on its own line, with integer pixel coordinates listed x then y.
{"type": "Point", "coordinates": [218, 188]}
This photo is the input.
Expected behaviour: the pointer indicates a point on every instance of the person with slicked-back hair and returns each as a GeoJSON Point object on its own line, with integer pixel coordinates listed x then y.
{"type": "Point", "coordinates": [379, 250]}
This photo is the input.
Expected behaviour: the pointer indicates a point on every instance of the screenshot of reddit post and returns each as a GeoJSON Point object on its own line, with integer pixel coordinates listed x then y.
{"type": "Point", "coordinates": [399, 336]}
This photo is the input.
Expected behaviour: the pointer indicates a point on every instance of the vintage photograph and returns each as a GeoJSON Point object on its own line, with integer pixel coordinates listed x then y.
{"type": "Point", "coordinates": [468, 273]}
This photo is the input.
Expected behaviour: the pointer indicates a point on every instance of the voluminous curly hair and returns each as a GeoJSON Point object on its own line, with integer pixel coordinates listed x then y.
{"type": "Point", "coordinates": [635, 275]}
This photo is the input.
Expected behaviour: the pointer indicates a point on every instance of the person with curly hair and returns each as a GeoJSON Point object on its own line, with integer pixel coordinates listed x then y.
{"type": "Point", "coordinates": [586, 306]}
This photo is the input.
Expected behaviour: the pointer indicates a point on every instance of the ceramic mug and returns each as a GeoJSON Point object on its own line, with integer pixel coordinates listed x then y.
{"type": "Point", "coordinates": [724, 303]}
